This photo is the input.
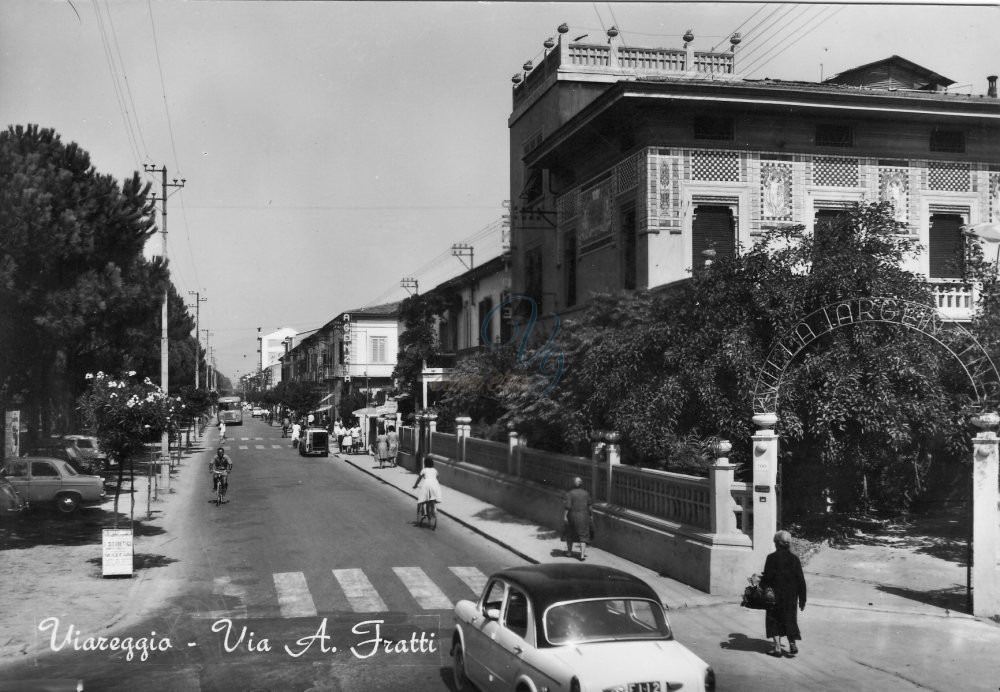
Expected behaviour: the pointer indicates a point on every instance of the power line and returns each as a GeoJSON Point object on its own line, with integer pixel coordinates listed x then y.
{"type": "Point", "coordinates": [764, 43]}
{"type": "Point", "coordinates": [109, 58]}
{"type": "Point", "coordinates": [758, 40]}
{"type": "Point", "coordinates": [802, 35]}
{"type": "Point", "coordinates": [759, 10]}
{"type": "Point", "coordinates": [128, 88]}
{"type": "Point", "coordinates": [163, 88]}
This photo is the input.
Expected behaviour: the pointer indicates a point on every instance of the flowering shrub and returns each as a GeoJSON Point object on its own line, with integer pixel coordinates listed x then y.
{"type": "Point", "coordinates": [125, 414]}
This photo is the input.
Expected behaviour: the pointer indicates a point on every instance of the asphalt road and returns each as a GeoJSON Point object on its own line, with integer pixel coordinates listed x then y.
{"type": "Point", "coordinates": [310, 577]}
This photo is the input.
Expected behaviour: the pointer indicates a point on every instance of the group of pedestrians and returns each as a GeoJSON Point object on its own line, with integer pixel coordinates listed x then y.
{"type": "Point", "coordinates": [782, 571]}
{"type": "Point", "coordinates": [348, 438]}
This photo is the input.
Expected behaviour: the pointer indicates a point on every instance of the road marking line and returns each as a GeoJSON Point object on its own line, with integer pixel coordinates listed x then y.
{"type": "Point", "coordinates": [277, 446]}
{"type": "Point", "coordinates": [420, 586]}
{"type": "Point", "coordinates": [258, 446]}
{"type": "Point", "coordinates": [244, 439]}
{"type": "Point", "coordinates": [472, 577]}
{"type": "Point", "coordinates": [293, 595]}
{"type": "Point", "coordinates": [359, 591]}
{"type": "Point", "coordinates": [244, 447]}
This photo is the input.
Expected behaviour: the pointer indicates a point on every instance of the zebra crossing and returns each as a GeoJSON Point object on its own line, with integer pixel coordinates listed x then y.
{"type": "Point", "coordinates": [257, 440]}
{"type": "Point", "coordinates": [293, 598]}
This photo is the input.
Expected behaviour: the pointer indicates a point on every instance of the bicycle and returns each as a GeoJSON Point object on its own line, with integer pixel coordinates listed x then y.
{"type": "Point", "coordinates": [427, 512]}
{"type": "Point", "coordinates": [221, 485]}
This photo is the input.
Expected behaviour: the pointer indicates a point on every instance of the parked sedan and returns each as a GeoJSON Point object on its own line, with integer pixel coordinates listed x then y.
{"type": "Point", "coordinates": [580, 628]}
{"type": "Point", "coordinates": [11, 502]}
{"type": "Point", "coordinates": [47, 480]}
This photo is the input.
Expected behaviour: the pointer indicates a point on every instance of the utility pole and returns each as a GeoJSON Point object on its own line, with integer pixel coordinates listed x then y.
{"type": "Point", "coordinates": [460, 251]}
{"type": "Point", "coordinates": [198, 300]}
{"type": "Point", "coordinates": [164, 339]}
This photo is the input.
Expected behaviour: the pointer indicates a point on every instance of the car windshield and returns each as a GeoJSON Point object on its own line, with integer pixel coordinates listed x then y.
{"type": "Point", "coordinates": [605, 619]}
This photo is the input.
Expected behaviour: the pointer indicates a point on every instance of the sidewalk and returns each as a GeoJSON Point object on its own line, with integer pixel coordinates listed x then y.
{"type": "Point", "coordinates": [864, 578]}
{"type": "Point", "coordinates": [52, 566]}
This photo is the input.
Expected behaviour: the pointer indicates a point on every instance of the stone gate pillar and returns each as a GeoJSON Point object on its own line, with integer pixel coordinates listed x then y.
{"type": "Point", "coordinates": [765, 476]}
{"type": "Point", "coordinates": [985, 496]}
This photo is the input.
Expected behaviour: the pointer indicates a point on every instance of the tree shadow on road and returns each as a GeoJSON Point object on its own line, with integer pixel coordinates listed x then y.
{"type": "Point", "coordinates": [142, 561]}
{"type": "Point", "coordinates": [949, 598]}
{"type": "Point", "coordinates": [39, 527]}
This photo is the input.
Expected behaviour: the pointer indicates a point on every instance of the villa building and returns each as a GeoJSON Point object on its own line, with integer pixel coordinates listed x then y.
{"type": "Point", "coordinates": [628, 163]}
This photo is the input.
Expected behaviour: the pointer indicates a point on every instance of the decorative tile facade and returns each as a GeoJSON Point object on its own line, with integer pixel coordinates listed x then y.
{"type": "Point", "coordinates": [894, 186]}
{"type": "Point", "coordinates": [948, 177]}
{"type": "Point", "coordinates": [715, 166]}
{"type": "Point", "coordinates": [994, 197]}
{"type": "Point", "coordinates": [596, 212]}
{"type": "Point", "coordinates": [836, 171]}
{"type": "Point", "coordinates": [776, 191]}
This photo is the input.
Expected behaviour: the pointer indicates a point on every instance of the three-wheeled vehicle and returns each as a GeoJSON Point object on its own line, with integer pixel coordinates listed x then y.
{"type": "Point", "coordinates": [314, 442]}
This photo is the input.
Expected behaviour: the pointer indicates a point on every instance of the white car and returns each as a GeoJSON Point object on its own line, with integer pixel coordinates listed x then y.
{"type": "Point", "coordinates": [572, 627]}
{"type": "Point", "coordinates": [257, 412]}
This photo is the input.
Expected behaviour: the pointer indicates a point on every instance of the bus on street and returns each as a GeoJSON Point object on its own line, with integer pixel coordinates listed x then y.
{"type": "Point", "coordinates": [230, 410]}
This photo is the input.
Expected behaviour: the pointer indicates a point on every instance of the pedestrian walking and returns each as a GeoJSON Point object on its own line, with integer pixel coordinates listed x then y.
{"type": "Point", "coordinates": [393, 440]}
{"type": "Point", "coordinates": [296, 428]}
{"type": "Point", "coordinates": [355, 439]}
{"type": "Point", "coordinates": [577, 519]}
{"type": "Point", "coordinates": [783, 574]}
{"type": "Point", "coordinates": [222, 430]}
{"type": "Point", "coordinates": [382, 448]}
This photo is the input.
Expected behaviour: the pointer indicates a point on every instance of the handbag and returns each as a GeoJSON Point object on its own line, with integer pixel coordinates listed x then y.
{"type": "Point", "coordinates": [757, 597]}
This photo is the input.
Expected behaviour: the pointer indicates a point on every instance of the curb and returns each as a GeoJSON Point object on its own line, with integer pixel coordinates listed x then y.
{"type": "Point", "coordinates": [451, 516]}
{"type": "Point", "coordinates": [841, 605]}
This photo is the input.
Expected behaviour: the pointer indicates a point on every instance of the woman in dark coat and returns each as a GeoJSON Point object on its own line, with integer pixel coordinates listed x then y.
{"type": "Point", "coordinates": [783, 573]}
{"type": "Point", "coordinates": [577, 519]}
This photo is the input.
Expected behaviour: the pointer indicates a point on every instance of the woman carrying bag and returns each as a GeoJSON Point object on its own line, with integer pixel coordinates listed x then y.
{"type": "Point", "coordinates": [783, 574]}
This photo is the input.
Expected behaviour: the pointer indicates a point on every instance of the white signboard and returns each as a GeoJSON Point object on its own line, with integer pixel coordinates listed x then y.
{"type": "Point", "coordinates": [117, 552]}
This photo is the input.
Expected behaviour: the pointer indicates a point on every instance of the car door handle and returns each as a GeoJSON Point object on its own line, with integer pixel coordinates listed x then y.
{"type": "Point", "coordinates": [518, 650]}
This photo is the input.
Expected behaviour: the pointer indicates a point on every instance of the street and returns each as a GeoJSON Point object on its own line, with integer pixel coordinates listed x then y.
{"type": "Point", "coordinates": [304, 547]}
{"type": "Point", "coordinates": [313, 577]}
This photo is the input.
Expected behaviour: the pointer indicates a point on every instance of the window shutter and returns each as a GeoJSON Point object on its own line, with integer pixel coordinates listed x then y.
{"type": "Point", "coordinates": [712, 227]}
{"type": "Point", "coordinates": [946, 247]}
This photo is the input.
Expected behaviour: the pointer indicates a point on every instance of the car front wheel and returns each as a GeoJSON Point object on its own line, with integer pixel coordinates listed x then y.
{"type": "Point", "coordinates": [67, 503]}
{"type": "Point", "coordinates": [462, 682]}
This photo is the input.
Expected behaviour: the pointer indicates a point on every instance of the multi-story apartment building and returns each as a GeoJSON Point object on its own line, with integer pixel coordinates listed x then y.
{"type": "Point", "coordinates": [471, 298]}
{"type": "Point", "coordinates": [353, 352]}
{"type": "Point", "coordinates": [627, 163]}
{"type": "Point", "coordinates": [271, 348]}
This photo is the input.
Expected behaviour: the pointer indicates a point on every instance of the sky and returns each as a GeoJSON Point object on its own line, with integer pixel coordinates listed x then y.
{"type": "Point", "coordinates": [330, 149]}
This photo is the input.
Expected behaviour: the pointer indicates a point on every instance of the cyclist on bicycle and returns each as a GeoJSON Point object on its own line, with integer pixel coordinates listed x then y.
{"type": "Point", "coordinates": [219, 467]}
{"type": "Point", "coordinates": [430, 493]}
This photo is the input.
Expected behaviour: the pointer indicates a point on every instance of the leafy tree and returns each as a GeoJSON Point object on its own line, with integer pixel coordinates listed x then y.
{"type": "Point", "coordinates": [300, 397]}
{"type": "Point", "coordinates": [418, 342]}
{"type": "Point", "coordinates": [73, 280]}
{"type": "Point", "coordinates": [125, 415]}
{"type": "Point", "coordinates": [863, 411]}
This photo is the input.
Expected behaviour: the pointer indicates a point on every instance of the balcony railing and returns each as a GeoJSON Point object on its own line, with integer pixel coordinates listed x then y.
{"type": "Point", "coordinates": [955, 299]}
{"type": "Point", "coordinates": [623, 61]}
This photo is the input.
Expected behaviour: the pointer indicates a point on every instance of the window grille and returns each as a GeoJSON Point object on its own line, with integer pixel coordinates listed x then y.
{"type": "Point", "coordinates": [715, 128]}
{"type": "Point", "coordinates": [948, 140]}
{"type": "Point", "coordinates": [834, 135]}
